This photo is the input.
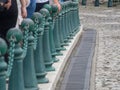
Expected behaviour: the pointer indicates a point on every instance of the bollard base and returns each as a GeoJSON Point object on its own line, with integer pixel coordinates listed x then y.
{"type": "Point", "coordinates": [50, 68]}
{"type": "Point", "coordinates": [71, 37]}
{"type": "Point", "coordinates": [59, 53]}
{"type": "Point", "coordinates": [68, 41]}
{"type": "Point", "coordinates": [64, 44]}
{"type": "Point", "coordinates": [31, 88]}
{"type": "Point", "coordinates": [41, 78]}
{"type": "Point", "coordinates": [63, 48]}
{"type": "Point", "coordinates": [54, 54]}
{"type": "Point", "coordinates": [55, 59]}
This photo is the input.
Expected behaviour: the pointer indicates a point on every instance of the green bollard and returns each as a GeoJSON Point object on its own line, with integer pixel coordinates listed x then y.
{"type": "Point", "coordinates": [84, 2]}
{"type": "Point", "coordinates": [72, 19]}
{"type": "Point", "coordinates": [62, 28]}
{"type": "Point", "coordinates": [60, 31]}
{"type": "Point", "coordinates": [51, 26]}
{"type": "Point", "coordinates": [57, 34]}
{"type": "Point", "coordinates": [110, 4]}
{"type": "Point", "coordinates": [96, 3]}
{"type": "Point", "coordinates": [77, 17]}
{"type": "Point", "coordinates": [78, 20]}
{"type": "Point", "coordinates": [55, 30]}
{"type": "Point", "coordinates": [16, 81]}
{"type": "Point", "coordinates": [64, 25]}
{"type": "Point", "coordinates": [3, 64]}
{"type": "Point", "coordinates": [38, 53]}
{"type": "Point", "coordinates": [30, 80]}
{"type": "Point", "coordinates": [69, 20]}
{"type": "Point", "coordinates": [46, 43]}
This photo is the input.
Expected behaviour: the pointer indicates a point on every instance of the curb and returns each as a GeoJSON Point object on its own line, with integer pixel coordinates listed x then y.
{"type": "Point", "coordinates": [93, 68]}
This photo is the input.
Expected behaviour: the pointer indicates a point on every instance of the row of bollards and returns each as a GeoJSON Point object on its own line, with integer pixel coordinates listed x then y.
{"type": "Point", "coordinates": [116, 2]}
{"type": "Point", "coordinates": [33, 48]}
{"type": "Point", "coordinates": [110, 3]}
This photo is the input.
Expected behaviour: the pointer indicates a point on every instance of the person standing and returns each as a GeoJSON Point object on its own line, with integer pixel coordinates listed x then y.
{"type": "Point", "coordinates": [41, 3]}
{"type": "Point", "coordinates": [8, 17]}
{"type": "Point", "coordinates": [20, 18]}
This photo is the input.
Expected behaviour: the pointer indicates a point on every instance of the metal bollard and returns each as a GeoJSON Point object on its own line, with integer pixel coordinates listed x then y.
{"type": "Point", "coordinates": [30, 80]}
{"type": "Point", "coordinates": [16, 80]}
{"type": "Point", "coordinates": [38, 52]}
{"type": "Point", "coordinates": [96, 3]}
{"type": "Point", "coordinates": [77, 16]}
{"type": "Point", "coordinates": [60, 31]}
{"type": "Point", "coordinates": [46, 43]}
{"type": "Point", "coordinates": [84, 2]}
{"type": "Point", "coordinates": [63, 26]}
{"type": "Point", "coordinates": [110, 3]}
{"type": "Point", "coordinates": [65, 43]}
{"type": "Point", "coordinates": [55, 30]}
{"type": "Point", "coordinates": [70, 20]}
{"type": "Point", "coordinates": [51, 27]}
{"type": "Point", "coordinates": [3, 64]}
{"type": "Point", "coordinates": [67, 21]}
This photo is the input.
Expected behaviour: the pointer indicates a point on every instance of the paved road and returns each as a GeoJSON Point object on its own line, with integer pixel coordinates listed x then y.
{"type": "Point", "coordinates": [106, 21]}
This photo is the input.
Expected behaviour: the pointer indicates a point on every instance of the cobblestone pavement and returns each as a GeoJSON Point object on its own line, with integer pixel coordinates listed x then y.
{"type": "Point", "coordinates": [107, 23]}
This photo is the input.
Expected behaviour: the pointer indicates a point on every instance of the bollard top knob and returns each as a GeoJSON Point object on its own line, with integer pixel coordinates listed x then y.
{"type": "Point", "coordinates": [48, 7]}
{"type": "Point", "coordinates": [27, 24]}
{"type": "Point", "coordinates": [44, 12]}
{"type": "Point", "coordinates": [37, 17]}
{"type": "Point", "coordinates": [3, 47]}
{"type": "Point", "coordinates": [54, 8]}
{"type": "Point", "coordinates": [14, 34]}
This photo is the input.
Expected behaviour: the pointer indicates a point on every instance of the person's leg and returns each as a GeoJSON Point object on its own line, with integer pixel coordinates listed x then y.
{"type": "Point", "coordinates": [8, 19]}
{"type": "Point", "coordinates": [31, 8]}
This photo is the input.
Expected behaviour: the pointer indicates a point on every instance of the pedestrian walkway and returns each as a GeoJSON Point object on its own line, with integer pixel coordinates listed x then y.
{"type": "Point", "coordinates": [105, 69]}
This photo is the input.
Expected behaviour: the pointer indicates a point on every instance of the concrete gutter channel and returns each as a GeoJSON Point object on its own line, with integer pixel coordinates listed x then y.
{"type": "Point", "coordinates": [78, 74]}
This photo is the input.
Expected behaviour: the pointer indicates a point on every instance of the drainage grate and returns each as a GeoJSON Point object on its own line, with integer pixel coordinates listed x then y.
{"type": "Point", "coordinates": [77, 76]}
